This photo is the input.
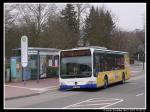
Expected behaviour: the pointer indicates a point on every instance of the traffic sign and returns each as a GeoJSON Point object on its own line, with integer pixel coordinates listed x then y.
{"type": "Point", "coordinates": [24, 51]}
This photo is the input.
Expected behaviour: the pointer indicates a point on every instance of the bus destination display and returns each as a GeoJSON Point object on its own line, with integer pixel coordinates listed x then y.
{"type": "Point", "coordinates": [75, 53]}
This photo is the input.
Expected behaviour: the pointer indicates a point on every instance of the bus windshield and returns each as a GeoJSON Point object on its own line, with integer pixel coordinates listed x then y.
{"type": "Point", "coordinates": [75, 64]}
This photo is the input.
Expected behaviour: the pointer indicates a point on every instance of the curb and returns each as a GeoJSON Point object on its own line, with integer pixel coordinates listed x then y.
{"type": "Point", "coordinates": [17, 97]}
{"type": "Point", "coordinates": [48, 90]}
{"type": "Point", "coordinates": [34, 94]}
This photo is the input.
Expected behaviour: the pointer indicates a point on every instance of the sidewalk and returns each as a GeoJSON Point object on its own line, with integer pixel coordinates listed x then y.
{"type": "Point", "coordinates": [18, 89]}
{"type": "Point", "coordinates": [136, 68]}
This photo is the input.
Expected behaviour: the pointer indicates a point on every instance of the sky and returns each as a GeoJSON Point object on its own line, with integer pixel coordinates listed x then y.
{"type": "Point", "coordinates": [128, 16]}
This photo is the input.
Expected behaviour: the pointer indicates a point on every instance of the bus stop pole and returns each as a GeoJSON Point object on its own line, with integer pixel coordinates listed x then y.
{"type": "Point", "coordinates": [24, 82]}
{"type": "Point", "coordinates": [38, 68]}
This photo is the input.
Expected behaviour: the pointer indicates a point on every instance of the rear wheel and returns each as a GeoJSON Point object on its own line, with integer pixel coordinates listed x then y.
{"type": "Point", "coordinates": [123, 78]}
{"type": "Point", "coordinates": [105, 82]}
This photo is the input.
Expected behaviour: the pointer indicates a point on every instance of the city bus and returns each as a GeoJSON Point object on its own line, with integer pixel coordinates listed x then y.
{"type": "Point", "coordinates": [92, 67]}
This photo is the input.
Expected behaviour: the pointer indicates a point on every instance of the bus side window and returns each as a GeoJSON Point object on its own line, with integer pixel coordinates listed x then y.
{"type": "Point", "coordinates": [102, 62]}
{"type": "Point", "coordinates": [97, 67]}
{"type": "Point", "coordinates": [107, 62]}
{"type": "Point", "coordinates": [122, 62]}
{"type": "Point", "coordinates": [96, 64]}
{"type": "Point", "coordinates": [119, 63]}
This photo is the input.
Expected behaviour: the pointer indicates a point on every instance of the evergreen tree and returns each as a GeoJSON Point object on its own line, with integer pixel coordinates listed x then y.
{"type": "Point", "coordinates": [98, 27]}
{"type": "Point", "coordinates": [88, 25]}
{"type": "Point", "coordinates": [70, 26]}
{"type": "Point", "coordinates": [69, 17]}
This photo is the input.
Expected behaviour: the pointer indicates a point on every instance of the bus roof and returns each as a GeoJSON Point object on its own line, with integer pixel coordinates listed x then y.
{"type": "Point", "coordinates": [116, 52]}
{"type": "Point", "coordinates": [93, 47]}
{"type": "Point", "coordinates": [88, 47]}
{"type": "Point", "coordinates": [98, 49]}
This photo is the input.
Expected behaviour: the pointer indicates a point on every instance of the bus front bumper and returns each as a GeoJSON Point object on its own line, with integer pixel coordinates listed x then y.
{"type": "Point", "coordinates": [78, 86]}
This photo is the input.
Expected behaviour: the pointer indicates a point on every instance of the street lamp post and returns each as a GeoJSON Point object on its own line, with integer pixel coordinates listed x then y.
{"type": "Point", "coordinates": [143, 60]}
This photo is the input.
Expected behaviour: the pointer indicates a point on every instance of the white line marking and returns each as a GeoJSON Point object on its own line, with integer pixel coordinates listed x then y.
{"type": "Point", "coordinates": [140, 94]}
{"type": "Point", "coordinates": [89, 100]}
{"type": "Point", "coordinates": [77, 103]}
{"type": "Point", "coordinates": [19, 87]}
{"type": "Point", "coordinates": [36, 89]}
{"type": "Point", "coordinates": [104, 100]}
{"type": "Point", "coordinates": [112, 104]}
{"type": "Point", "coordinates": [91, 104]}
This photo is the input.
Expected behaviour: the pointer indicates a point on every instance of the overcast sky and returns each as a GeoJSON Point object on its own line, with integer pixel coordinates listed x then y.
{"type": "Point", "coordinates": [129, 16]}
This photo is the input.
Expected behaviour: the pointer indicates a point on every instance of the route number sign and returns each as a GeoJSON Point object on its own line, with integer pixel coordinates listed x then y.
{"type": "Point", "coordinates": [24, 51]}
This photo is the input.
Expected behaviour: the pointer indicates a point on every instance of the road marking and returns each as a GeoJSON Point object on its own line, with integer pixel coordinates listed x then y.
{"type": "Point", "coordinates": [140, 94]}
{"type": "Point", "coordinates": [92, 104]}
{"type": "Point", "coordinates": [36, 89]}
{"type": "Point", "coordinates": [105, 102]}
{"type": "Point", "coordinates": [112, 104]}
{"type": "Point", "coordinates": [19, 87]}
{"type": "Point", "coordinates": [105, 98]}
{"type": "Point", "coordinates": [77, 103]}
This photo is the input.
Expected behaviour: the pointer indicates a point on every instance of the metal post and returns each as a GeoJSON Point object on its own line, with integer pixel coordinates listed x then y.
{"type": "Point", "coordinates": [24, 82]}
{"type": "Point", "coordinates": [38, 68]}
{"type": "Point", "coordinates": [138, 60]}
{"type": "Point", "coordinates": [143, 60]}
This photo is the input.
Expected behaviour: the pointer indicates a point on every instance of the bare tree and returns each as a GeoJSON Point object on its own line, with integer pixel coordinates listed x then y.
{"type": "Point", "coordinates": [35, 16]}
{"type": "Point", "coordinates": [10, 16]}
{"type": "Point", "coordinates": [81, 10]}
{"type": "Point", "coordinates": [10, 29]}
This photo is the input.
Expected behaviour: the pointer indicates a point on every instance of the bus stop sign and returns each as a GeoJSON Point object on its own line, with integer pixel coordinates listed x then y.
{"type": "Point", "coordinates": [24, 51]}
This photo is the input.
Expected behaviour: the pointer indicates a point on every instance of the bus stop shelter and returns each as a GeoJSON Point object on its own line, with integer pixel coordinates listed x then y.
{"type": "Point", "coordinates": [42, 63]}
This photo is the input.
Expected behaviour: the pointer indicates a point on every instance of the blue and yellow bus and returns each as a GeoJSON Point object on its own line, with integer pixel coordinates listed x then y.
{"type": "Point", "coordinates": [92, 67]}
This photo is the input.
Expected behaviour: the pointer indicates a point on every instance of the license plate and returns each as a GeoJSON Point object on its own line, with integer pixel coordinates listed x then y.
{"type": "Point", "coordinates": [76, 86]}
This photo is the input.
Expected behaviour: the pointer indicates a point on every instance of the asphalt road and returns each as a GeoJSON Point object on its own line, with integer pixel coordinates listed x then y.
{"type": "Point", "coordinates": [130, 95]}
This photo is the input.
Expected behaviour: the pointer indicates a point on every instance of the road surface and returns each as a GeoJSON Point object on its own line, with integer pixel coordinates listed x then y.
{"type": "Point", "coordinates": [129, 95]}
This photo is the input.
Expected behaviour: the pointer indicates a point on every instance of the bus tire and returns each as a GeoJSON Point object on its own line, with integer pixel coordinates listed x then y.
{"type": "Point", "coordinates": [105, 82]}
{"type": "Point", "coordinates": [123, 78]}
